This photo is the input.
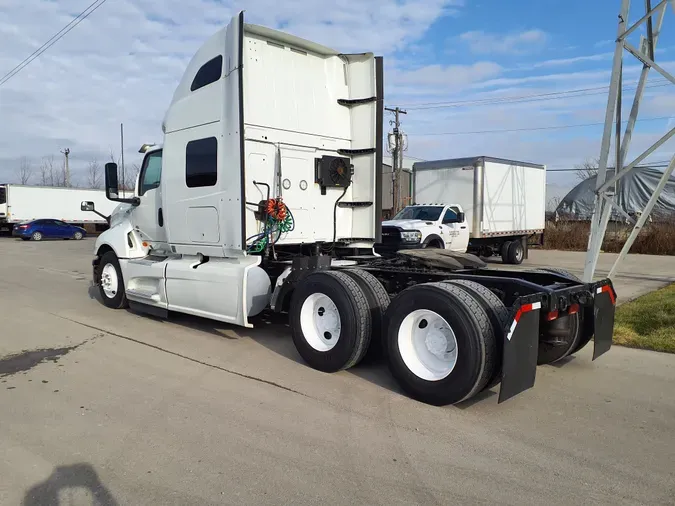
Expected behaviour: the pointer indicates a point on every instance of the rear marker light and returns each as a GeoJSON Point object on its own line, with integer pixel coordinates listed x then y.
{"type": "Point", "coordinates": [552, 315]}
{"type": "Point", "coordinates": [523, 309]}
{"type": "Point", "coordinates": [608, 289]}
{"type": "Point", "coordinates": [574, 309]}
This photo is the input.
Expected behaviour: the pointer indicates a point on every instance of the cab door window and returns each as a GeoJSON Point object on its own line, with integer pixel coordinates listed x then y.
{"type": "Point", "coordinates": [151, 172]}
{"type": "Point", "coordinates": [450, 216]}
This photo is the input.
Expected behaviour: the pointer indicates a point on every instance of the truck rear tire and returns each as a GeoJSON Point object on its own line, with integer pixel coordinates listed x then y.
{"type": "Point", "coordinates": [330, 321]}
{"type": "Point", "coordinates": [498, 315]}
{"type": "Point", "coordinates": [515, 253]}
{"type": "Point", "coordinates": [505, 252]}
{"type": "Point", "coordinates": [378, 301]}
{"type": "Point", "coordinates": [111, 282]}
{"type": "Point", "coordinates": [439, 343]}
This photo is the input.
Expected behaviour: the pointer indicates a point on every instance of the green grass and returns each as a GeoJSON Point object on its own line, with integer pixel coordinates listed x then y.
{"type": "Point", "coordinates": [647, 322]}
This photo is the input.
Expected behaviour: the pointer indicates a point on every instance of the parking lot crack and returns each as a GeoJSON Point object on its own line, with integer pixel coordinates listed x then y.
{"type": "Point", "coordinates": [185, 357]}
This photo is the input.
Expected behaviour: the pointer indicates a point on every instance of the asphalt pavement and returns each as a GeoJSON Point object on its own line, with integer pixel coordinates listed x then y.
{"type": "Point", "coordinates": [109, 407]}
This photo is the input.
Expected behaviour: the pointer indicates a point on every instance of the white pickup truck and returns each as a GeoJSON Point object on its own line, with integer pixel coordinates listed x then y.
{"type": "Point", "coordinates": [427, 226]}
{"type": "Point", "coordinates": [482, 205]}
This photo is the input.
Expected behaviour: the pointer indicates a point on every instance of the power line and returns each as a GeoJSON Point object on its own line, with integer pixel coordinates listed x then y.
{"type": "Point", "coordinates": [53, 40]}
{"type": "Point", "coordinates": [655, 165]}
{"type": "Point", "coordinates": [582, 92]}
{"type": "Point", "coordinates": [552, 127]}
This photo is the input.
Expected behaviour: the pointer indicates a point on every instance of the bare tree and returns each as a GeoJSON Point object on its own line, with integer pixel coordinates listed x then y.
{"type": "Point", "coordinates": [47, 171]}
{"type": "Point", "coordinates": [587, 169]}
{"type": "Point", "coordinates": [130, 176]}
{"type": "Point", "coordinates": [25, 171]}
{"type": "Point", "coordinates": [127, 181]}
{"type": "Point", "coordinates": [94, 179]}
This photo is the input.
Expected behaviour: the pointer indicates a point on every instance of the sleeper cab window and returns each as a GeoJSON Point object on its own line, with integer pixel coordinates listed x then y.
{"type": "Point", "coordinates": [209, 73]}
{"type": "Point", "coordinates": [201, 162]}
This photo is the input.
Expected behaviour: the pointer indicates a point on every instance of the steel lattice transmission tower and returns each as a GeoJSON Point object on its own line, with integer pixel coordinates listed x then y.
{"type": "Point", "coordinates": [605, 187]}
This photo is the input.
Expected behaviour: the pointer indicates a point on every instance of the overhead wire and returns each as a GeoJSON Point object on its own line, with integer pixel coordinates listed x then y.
{"type": "Point", "coordinates": [537, 97]}
{"type": "Point", "coordinates": [53, 40]}
{"type": "Point", "coordinates": [530, 129]}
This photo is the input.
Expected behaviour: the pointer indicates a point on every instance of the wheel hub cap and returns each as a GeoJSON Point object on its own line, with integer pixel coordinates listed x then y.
{"type": "Point", "coordinates": [427, 344]}
{"type": "Point", "coordinates": [109, 281]}
{"type": "Point", "coordinates": [320, 322]}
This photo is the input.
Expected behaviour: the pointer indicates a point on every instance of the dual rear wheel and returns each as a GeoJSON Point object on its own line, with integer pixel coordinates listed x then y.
{"type": "Point", "coordinates": [441, 340]}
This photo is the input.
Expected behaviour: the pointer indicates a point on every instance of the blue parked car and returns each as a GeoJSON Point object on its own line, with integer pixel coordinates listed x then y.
{"type": "Point", "coordinates": [48, 229]}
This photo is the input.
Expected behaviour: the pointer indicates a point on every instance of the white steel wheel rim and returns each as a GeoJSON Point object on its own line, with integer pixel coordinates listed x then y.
{"type": "Point", "coordinates": [428, 345]}
{"type": "Point", "coordinates": [320, 322]}
{"type": "Point", "coordinates": [109, 281]}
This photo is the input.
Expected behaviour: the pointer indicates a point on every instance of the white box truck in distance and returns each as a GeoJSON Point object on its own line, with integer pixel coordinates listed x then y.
{"type": "Point", "coordinates": [500, 202]}
{"type": "Point", "coordinates": [266, 193]}
{"type": "Point", "coordinates": [21, 203]}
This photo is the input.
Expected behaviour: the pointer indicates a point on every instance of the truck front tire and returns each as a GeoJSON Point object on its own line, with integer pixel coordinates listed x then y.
{"type": "Point", "coordinates": [111, 282]}
{"type": "Point", "coordinates": [439, 343]}
{"type": "Point", "coordinates": [330, 320]}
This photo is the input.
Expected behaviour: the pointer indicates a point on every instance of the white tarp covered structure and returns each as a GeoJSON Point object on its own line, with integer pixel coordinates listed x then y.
{"type": "Point", "coordinates": [632, 194]}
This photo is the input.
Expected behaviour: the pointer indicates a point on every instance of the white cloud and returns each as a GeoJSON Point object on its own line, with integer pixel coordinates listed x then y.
{"type": "Point", "coordinates": [559, 62]}
{"type": "Point", "coordinates": [450, 77]}
{"type": "Point", "coordinates": [480, 42]}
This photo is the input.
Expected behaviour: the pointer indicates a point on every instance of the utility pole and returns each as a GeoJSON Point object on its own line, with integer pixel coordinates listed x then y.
{"type": "Point", "coordinates": [397, 161]}
{"type": "Point", "coordinates": [122, 155]}
{"type": "Point", "coordinates": [66, 152]}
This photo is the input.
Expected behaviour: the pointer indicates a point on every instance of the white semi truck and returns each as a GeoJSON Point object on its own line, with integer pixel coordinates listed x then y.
{"type": "Point", "coordinates": [21, 203]}
{"type": "Point", "coordinates": [266, 194]}
{"type": "Point", "coordinates": [482, 205]}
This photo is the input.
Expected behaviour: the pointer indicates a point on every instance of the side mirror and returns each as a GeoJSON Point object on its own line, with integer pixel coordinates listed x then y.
{"type": "Point", "coordinates": [112, 191]}
{"type": "Point", "coordinates": [461, 217]}
{"type": "Point", "coordinates": [87, 206]}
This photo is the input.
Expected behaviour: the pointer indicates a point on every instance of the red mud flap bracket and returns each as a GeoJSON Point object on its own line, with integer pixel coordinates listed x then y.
{"type": "Point", "coordinates": [603, 319]}
{"type": "Point", "coordinates": [521, 346]}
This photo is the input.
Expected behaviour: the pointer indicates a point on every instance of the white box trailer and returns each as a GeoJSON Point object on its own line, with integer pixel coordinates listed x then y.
{"type": "Point", "coordinates": [500, 198]}
{"type": "Point", "coordinates": [20, 203]}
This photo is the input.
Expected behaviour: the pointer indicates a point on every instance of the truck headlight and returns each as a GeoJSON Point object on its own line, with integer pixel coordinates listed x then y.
{"type": "Point", "coordinates": [411, 236]}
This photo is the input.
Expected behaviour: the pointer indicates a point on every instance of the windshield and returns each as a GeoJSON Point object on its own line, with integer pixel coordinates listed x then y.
{"type": "Point", "coordinates": [430, 213]}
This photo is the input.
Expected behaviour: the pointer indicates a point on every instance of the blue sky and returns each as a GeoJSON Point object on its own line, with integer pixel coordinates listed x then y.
{"type": "Point", "coordinates": [123, 62]}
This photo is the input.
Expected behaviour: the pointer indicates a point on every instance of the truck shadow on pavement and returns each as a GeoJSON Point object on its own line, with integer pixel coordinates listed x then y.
{"type": "Point", "coordinates": [67, 483]}
{"type": "Point", "coordinates": [272, 331]}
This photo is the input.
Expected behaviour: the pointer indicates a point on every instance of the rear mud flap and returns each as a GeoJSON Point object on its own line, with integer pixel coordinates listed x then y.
{"type": "Point", "coordinates": [521, 346]}
{"type": "Point", "coordinates": [603, 321]}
